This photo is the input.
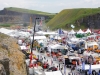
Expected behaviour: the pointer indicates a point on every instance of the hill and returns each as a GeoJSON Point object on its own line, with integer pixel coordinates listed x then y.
{"type": "Point", "coordinates": [22, 10]}
{"type": "Point", "coordinates": [81, 18]}
{"type": "Point", "coordinates": [12, 15]}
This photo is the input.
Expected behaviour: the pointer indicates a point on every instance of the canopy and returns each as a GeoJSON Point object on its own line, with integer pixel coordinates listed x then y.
{"type": "Point", "coordinates": [38, 37]}
{"type": "Point", "coordinates": [53, 73]}
{"type": "Point", "coordinates": [40, 32]}
{"type": "Point", "coordinates": [50, 33]}
{"type": "Point", "coordinates": [72, 32]}
{"type": "Point", "coordinates": [80, 32]}
{"type": "Point", "coordinates": [57, 46]}
{"type": "Point", "coordinates": [40, 41]}
{"type": "Point", "coordinates": [74, 39]}
{"type": "Point", "coordinates": [57, 37]}
{"type": "Point", "coordinates": [88, 31]}
{"type": "Point", "coordinates": [92, 43]}
{"type": "Point", "coordinates": [23, 47]}
{"type": "Point", "coordinates": [5, 31]}
{"type": "Point", "coordinates": [46, 33]}
{"type": "Point", "coordinates": [25, 34]}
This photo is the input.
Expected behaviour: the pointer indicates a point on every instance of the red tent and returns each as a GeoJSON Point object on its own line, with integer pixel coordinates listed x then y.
{"type": "Point", "coordinates": [98, 32]}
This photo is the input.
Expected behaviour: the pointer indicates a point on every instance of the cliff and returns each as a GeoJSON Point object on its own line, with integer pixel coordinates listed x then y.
{"type": "Point", "coordinates": [81, 18]}
{"type": "Point", "coordinates": [21, 16]}
{"type": "Point", "coordinates": [12, 60]}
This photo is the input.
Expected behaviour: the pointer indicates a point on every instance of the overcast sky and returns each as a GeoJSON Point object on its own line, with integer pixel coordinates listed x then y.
{"type": "Point", "coordinates": [51, 6]}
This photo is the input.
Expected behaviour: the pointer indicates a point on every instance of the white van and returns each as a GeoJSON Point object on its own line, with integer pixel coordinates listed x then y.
{"type": "Point", "coordinates": [94, 68]}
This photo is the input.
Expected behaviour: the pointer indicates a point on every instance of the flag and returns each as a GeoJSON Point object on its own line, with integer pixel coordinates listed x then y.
{"type": "Point", "coordinates": [60, 31]}
{"type": "Point", "coordinates": [40, 23]}
{"type": "Point", "coordinates": [83, 65]}
{"type": "Point", "coordinates": [90, 70]}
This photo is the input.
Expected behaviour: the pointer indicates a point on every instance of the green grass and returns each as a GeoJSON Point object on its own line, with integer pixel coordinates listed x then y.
{"type": "Point", "coordinates": [69, 16]}
{"type": "Point", "coordinates": [22, 10]}
{"type": "Point", "coordinates": [5, 25]}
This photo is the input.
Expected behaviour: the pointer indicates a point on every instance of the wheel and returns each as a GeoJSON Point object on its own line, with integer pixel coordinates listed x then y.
{"type": "Point", "coordinates": [86, 72]}
{"type": "Point", "coordinates": [93, 72]}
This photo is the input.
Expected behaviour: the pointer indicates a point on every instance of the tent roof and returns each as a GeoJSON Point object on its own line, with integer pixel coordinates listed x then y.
{"type": "Point", "coordinates": [80, 32]}
{"type": "Point", "coordinates": [92, 43]}
{"type": "Point", "coordinates": [72, 32]}
{"type": "Point", "coordinates": [88, 31]}
{"type": "Point", "coordinates": [57, 37]}
{"type": "Point", "coordinates": [5, 31]}
{"type": "Point", "coordinates": [74, 39]}
{"type": "Point", "coordinates": [57, 46]}
{"type": "Point", "coordinates": [53, 73]}
{"type": "Point", "coordinates": [50, 33]}
{"type": "Point", "coordinates": [45, 33]}
{"type": "Point", "coordinates": [40, 32]}
{"type": "Point", "coordinates": [23, 47]}
{"type": "Point", "coordinates": [38, 37]}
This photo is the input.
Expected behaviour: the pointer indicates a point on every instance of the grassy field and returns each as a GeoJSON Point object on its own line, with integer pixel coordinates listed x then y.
{"type": "Point", "coordinates": [69, 16]}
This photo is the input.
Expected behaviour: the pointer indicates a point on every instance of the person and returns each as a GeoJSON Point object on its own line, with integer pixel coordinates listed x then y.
{"type": "Point", "coordinates": [61, 71]}
{"type": "Point", "coordinates": [44, 58]}
{"type": "Point", "coordinates": [72, 68]}
{"type": "Point", "coordinates": [59, 66]}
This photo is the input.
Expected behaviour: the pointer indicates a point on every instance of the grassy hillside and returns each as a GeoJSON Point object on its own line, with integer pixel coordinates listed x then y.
{"type": "Point", "coordinates": [68, 16]}
{"type": "Point", "coordinates": [22, 10]}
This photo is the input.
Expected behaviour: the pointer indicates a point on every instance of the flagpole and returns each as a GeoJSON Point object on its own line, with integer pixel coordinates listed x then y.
{"type": "Point", "coordinates": [33, 35]}
{"type": "Point", "coordinates": [32, 43]}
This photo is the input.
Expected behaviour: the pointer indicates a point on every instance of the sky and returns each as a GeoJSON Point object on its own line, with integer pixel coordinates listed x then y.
{"type": "Point", "coordinates": [51, 6]}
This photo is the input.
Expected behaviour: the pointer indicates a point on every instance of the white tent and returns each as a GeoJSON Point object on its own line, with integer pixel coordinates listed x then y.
{"type": "Point", "coordinates": [88, 31]}
{"type": "Point", "coordinates": [38, 37]}
{"type": "Point", "coordinates": [57, 46]}
{"type": "Point", "coordinates": [74, 39]}
{"type": "Point", "coordinates": [5, 31]}
{"type": "Point", "coordinates": [92, 43]}
{"type": "Point", "coordinates": [86, 53]}
{"type": "Point", "coordinates": [48, 73]}
{"type": "Point", "coordinates": [72, 32]}
{"type": "Point", "coordinates": [57, 37]}
{"type": "Point", "coordinates": [23, 47]}
{"type": "Point", "coordinates": [46, 33]}
{"type": "Point", "coordinates": [40, 41]}
{"type": "Point", "coordinates": [80, 32]}
{"type": "Point", "coordinates": [40, 32]}
{"type": "Point", "coordinates": [53, 73]}
{"type": "Point", "coordinates": [65, 31]}
{"type": "Point", "coordinates": [25, 34]}
{"type": "Point", "coordinates": [50, 33]}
